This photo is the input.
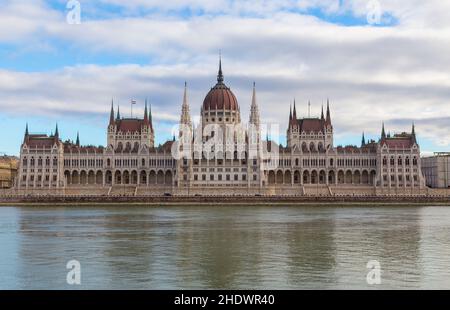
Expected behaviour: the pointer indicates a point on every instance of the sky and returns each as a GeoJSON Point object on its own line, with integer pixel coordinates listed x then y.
{"type": "Point", "coordinates": [376, 60]}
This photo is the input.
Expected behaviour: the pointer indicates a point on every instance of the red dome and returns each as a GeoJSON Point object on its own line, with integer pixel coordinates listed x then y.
{"type": "Point", "coordinates": [219, 98]}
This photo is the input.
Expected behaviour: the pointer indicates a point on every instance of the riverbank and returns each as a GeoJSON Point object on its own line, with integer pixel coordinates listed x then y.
{"type": "Point", "coordinates": [225, 200]}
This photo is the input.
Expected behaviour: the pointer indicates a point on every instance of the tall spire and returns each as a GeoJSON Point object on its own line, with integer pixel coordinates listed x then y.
{"type": "Point", "coordinates": [220, 75]}
{"type": "Point", "coordinates": [363, 141]}
{"type": "Point", "coordinates": [111, 115]}
{"type": "Point", "coordinates": [413, 132]}
{"type": "Point", "coordinates": [78, 138]}
{"type": "Point", "coordinates": [254, 111]}
{"type": "Point", "coordinates": [290, 115]}
{"type": "Point", "coordinates": [322, 115]}
{"type": "Point", "coordinates": [146, 113]}
{"type": "Point", "coordinates": [26, 133]}
{"type": "Point", "coordinates": [383, 132]}
{"type": "Point", "coordinates": [294, 115]}
{"type": "Point", "coordinates": [118, 112]}
{"type": "Point", "coordinates": [328, 119]}
{"type": "Point", "coordinates": [185, 111]}
{"type": "Point", "coordinates": [56, 131]}
{"type": "Point", "coordinates": [150, 117]}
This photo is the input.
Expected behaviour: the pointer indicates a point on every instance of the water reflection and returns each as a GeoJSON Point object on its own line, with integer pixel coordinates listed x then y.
{"type": "Point", "coordinates": [232, 247]}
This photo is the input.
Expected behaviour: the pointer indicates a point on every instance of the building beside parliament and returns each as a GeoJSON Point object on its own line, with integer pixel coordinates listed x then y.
{"type": "Point", "coordinates": [131, 164]}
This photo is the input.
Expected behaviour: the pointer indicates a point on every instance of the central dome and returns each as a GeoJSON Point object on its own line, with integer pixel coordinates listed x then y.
{"type": "Point", "coordinates": [220, 97]}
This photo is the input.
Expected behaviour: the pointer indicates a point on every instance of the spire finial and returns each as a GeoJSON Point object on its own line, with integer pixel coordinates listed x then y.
{"type": "Point", "coordinates": [26, 130]}
{"type": "Point", "coordinates": [118, 112]}
{"type": "Point", "coordinates": [146, 112]}
{"type": "Point", "coordinates": [111, 115]}
{"type": "Point", "coordinates": [322, 116]}
{"type": "Point", "coordinates": [185, 102]}
{"type": "Point", "coordinates": [363, 140]}
{"type": "Point", "coordinates": [383, 132]}
{"type": "Point", "coordinates": [78, 138]}
{"type": "Point", "coordinates": [56, 131]}
{"type": "Point", "coordinates": [294, 115]}
{"type": "Point", "coordinates": [150, 117]}
{"type": "Point", "coordinates": [254, 94]}
{"type": "Point", "coordinates": [220, 75]}
{"type": "Point", "coordinates": [328, 119]}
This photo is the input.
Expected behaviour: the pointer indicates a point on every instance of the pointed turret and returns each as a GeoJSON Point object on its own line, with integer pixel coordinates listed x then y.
{"type": "Point", "coordinates": [383, 132]}
{"type": "Point", "coordinates": [294, 115]}
{"type": "Point", "coordinates": [118, 113]}
{"type": "Point", "coordinates": [111, 115]}
{"type": "Point", "coordinates": [290, 115]}
{"type": "Point", "coordinates": [363, 140]}
{"type": "Point", "coordinates": [254, 112]}
{"type": "Point", "coordinates": [146, 122]}
{"type": "Point", "coordinates": [56, 131]}
{"type": "Point", "coordinates": [413, 133]}
{"type": "Point", "coordinates": [26, 133]}
{"type": "Point", "coordinates": [322, 115]}
{"type": "Point", "coordinates": [220, 74]}
{"type": "Point", "coordinates": [150, 117]}
{"type": "Point", "coordinates": [185, 111]}
{"type": "Point", "coordinates": [78, 139]}
{"type": "Point", "coordinates": [328, 119]}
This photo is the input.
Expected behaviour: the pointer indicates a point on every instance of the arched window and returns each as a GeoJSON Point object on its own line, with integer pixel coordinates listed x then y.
{"type": "Point", "coordinates": [143, 162]}
{"type": "Point", "coordinates": [400, 161]}
{"type": "Point", "coordinates": [392, 161]}
{"type": "Point", "coordinates": [25, 162]}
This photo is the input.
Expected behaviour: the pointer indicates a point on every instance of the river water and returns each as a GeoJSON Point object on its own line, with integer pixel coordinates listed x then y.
{"type": "Point", "coordinates": [225, 247]}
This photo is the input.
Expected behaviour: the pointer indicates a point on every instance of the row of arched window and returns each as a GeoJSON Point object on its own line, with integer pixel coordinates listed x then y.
{"type": "Point", "coordinates": [400, 161]}
{"type": "Point", "coordinates": [40, 161]}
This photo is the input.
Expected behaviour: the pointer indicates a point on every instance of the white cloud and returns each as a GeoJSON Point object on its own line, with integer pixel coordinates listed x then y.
{"type": "Point", "coordinates": [397, 74]}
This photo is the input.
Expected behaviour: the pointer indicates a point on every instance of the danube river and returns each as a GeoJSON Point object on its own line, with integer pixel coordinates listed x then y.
{"type": "Point", "coordinates": [225, 247]}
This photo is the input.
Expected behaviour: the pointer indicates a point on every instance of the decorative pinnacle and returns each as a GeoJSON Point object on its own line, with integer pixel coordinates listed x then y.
{"type": "Point", "coordinates": [220, 75]}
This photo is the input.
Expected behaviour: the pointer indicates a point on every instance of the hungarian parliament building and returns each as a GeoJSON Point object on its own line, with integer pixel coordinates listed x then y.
{"type": "Point", "coordinates": [220, 156]}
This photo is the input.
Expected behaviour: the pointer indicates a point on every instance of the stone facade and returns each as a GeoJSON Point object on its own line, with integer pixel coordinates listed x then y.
{"type": "Point", "coordinates": [437, 170]}
{"type": "Point", "coordinates": [221, 156]}
{"type": "Point", "coordinates": [8, 171]}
